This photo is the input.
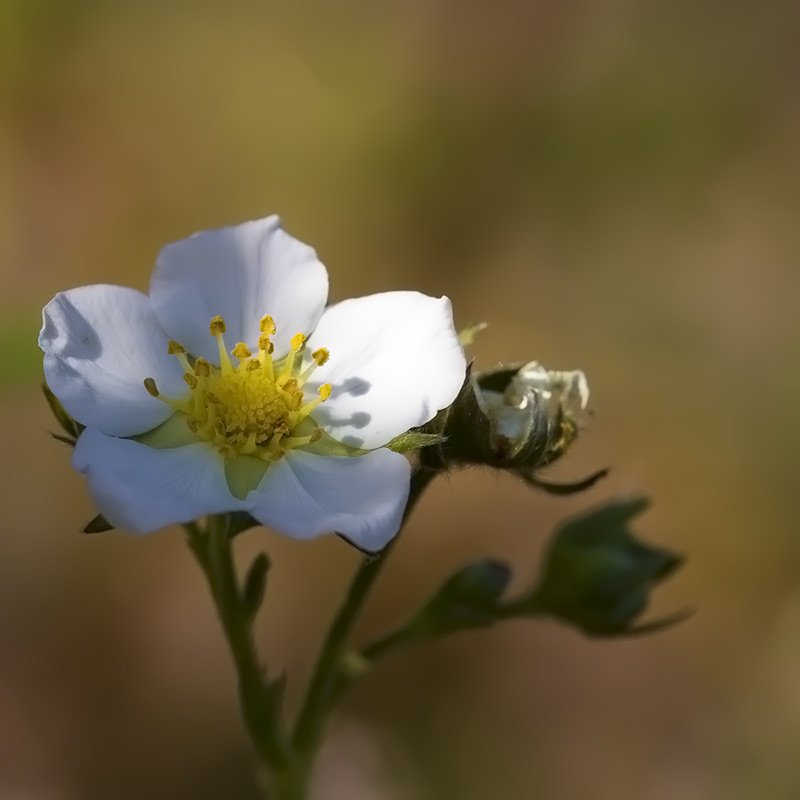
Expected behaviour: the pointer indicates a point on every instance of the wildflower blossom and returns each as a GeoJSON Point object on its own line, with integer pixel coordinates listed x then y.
{"type": "Point", "coordinates": [232, 387]}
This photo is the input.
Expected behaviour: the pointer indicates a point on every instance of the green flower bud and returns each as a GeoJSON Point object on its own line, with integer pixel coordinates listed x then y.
{"type": "Point", "coordinates": [468, 599]}
{"type": "Point", "coordinates": [597, 576]}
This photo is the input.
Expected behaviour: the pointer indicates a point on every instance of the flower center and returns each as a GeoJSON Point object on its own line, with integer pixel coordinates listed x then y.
{"type": "Point", "coordinates": [253, 407]}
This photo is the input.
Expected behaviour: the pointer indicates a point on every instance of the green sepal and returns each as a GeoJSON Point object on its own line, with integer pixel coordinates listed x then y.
{"type": "Point", "coordinates": [467, 336]}
{"type": "Point", "coordinates": [414, 440]}
{"type": "Point", "coordinates": [563, 489]}
{"type": "Point", "coordinates": [173, 432]}
{"type": "Point", "coordinates": [70, 426]}
{"type": "Point", "coordinates": [255, 584]}
{"type": "Point", "coordinates": [466, 428]}
{"type": "Point", "coordinates": [98, 525]}
{"type": "Point", "coordinates": [239, 522]}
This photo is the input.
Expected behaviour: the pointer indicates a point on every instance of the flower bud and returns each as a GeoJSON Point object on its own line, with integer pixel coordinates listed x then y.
{"type": "Point", "coordinates": [534, 413]}
{"type": "Point", "coordinates": [519, 417]}
{"type": "Point", "coordinates": [468, 599]}
{"type": "Point", "coordinates": [598, 577]}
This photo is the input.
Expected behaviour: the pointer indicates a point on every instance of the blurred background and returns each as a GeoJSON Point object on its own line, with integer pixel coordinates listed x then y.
{"type": "Point", "coordinates": [613, 186]}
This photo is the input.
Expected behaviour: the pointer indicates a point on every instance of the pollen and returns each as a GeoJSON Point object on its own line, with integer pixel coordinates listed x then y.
{"type": "Point", "coordinates": [256, 408]}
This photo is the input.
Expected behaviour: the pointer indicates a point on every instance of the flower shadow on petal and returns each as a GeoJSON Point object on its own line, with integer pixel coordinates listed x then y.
{"type": "Point", "coordinates": [355, 387]}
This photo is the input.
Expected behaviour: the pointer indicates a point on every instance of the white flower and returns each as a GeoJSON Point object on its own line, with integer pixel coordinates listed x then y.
{"type": "Point", "coordinates": [291, 429]}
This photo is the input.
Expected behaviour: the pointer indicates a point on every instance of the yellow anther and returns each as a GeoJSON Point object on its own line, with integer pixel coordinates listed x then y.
{"type": "Point", "coordinates": [202, 368]}
{"type": "Point", "coordinates": [325, 391]}
{"type": "Point", "coordinates": [297, 341]}
{"type": "Point", "coordinates": [318, 358]}
{"type": "Point", "coordinates": [217, 328]}
{"type": "Point", "coordinates": [265, 344]}
{"type": "Point", "coordinates": [267, 325]}
{"type": "Point", "coordinates": [241, 351]}
{"type": "Point", "coordinates": [217, 325]}
{"type": "Point", "coordinates": [321, 355]}
{"type": "Point", "coordinates": [179, 351]}
{"type": "Point", "coordinates": [191, 380]}
{"type": "Point", "coordinates": [150, 385]}
{"type": "Point", "coordinates": [253, 365]}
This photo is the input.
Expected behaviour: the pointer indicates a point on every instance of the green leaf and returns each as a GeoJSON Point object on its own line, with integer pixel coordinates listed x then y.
{"type": "Point", "coordinates": [255, 584]}
{"type": "Point", "coordinates": [414, 440]}
{"type": "Point", "coordinates": [98, 525]}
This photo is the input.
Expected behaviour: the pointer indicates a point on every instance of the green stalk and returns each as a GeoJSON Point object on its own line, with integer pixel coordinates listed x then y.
{"type": "Point", "coordinates": [213, 550]}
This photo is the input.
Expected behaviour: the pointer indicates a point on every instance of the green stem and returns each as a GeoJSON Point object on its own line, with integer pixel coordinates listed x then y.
{"type": "Point", "coordinates": [327, 672]}
{"type": "Point", "coordinates": [213, 550]}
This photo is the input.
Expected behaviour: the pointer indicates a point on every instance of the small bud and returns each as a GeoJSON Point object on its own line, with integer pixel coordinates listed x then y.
{"type": "Point", "coordinates": [596, 575]}
{"type": "Point", "coordinates": [536, 415]}
{"type": "Point", "coordinates": [468, 599]}
{"type": "Point", "coordinates": [519, 417]}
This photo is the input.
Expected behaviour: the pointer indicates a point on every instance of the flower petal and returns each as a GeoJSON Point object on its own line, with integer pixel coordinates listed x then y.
{"type": "Point", "coordinates": [100, 343]}
{"type": "Point", "coordinates": [142, 489]}
{"type": "Point", "coordinates": [395, 360]}
{"type": "Point", "coordinates": [363, 497]}
{"type": "Point", "coordinates": [242, 272]}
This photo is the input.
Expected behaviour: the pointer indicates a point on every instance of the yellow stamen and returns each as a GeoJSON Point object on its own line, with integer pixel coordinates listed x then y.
{"type": "Point", "coordinates": [152, 389]}
{"type": "Point", "coordinates": [217, 328]}
{"type": "Point", "coordinates": [296, 344]}
{"type": "Point", "coordinates": [265, 350]}
{"type": "Point", "coordinates": [304, 410]}
{"type": "Point", "coordinates": [179, 351]}
{"type": "Point", "coordinates": [318, 358]}
{"type": "Point", "coordinates": [242, 352]}
{"type": "Point", "coordinates": [256, 408]}
{"type": "Point", "coordinates": [217, 325]}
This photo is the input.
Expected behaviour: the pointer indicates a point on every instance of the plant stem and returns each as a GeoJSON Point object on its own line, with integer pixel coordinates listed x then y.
{"type": "Point", "coordinates": [327, 672]}
{"type": "Point", "coordinates": [288, 769]}
{"type": "Point", "coordinates": [213, 550]}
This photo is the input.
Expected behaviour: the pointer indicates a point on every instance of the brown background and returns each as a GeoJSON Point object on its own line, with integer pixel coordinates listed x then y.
{"type": "Point", "coordinates": [614, 187]}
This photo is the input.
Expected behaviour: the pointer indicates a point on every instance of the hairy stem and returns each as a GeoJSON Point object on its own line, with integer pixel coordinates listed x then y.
{"type": "Point", "coordinates": [327, 672]}
{"type": "Point", "coordinates": [213, 550]}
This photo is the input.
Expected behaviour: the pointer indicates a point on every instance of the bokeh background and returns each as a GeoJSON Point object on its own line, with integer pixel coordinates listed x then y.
{"type": "Point", "coordinates": [614, 187]}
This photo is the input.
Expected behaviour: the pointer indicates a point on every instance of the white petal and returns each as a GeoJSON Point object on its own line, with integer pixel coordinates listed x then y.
{"type": "Point", "coordinates": [395, 360]}
{"type": "Point", "coordinates": [142, 489]}
{"type": "Point", "coordinates": [100, 343]}
{"type": "Point", "coordinates": [363, 497]}
{"type": "Point", "coordinates": [241, 272]}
